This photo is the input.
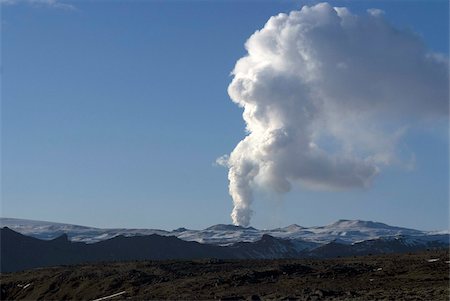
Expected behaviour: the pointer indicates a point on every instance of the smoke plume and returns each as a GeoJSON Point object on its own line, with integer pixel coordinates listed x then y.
{"type": "Point", "coordinates": [326, 96]}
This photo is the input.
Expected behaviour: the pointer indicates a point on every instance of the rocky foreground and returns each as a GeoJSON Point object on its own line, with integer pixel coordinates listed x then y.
{"type": "Point", "coordinates": [416, 276]}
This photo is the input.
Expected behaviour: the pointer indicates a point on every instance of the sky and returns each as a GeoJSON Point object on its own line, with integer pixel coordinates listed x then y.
{"type": "Point", "coordinates": [114, 114]}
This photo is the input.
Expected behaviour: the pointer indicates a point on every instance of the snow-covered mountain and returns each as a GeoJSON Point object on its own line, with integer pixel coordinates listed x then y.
{"type": "Point", "coordinates": [342, 231]}
{"type": "Point", "coordinates": [349, 231]}
{"type": "Point", "coordinates": [50, 230]}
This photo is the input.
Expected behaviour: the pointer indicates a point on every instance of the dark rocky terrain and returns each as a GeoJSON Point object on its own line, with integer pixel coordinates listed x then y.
{"type": "Point", "coordinates": [414, 276]}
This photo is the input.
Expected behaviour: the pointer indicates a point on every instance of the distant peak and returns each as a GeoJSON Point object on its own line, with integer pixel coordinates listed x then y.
{"type": "Point", "coordinates": [62, 238]}
{"type": "Point", "coordinates": [182, 229]}
{"type": "Point", "coordinates": [357, 223]}
{"type": "Point", "coordinates": [293, 227]}
{"type": "Point", "coordinates": [8, 230]}
{"type": "Point", "coordinates": [268, 237]}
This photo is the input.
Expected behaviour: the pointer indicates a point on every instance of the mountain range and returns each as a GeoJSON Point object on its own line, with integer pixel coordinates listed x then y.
{"type": "Point", "coordinates": [343, 231]}
{"type": "Point", "coordinates": [20, 252]}
{"type": "Point", "coordinates": [343, 238]}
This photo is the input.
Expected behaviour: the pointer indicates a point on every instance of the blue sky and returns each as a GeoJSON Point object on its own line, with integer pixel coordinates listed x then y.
{"type": "Point", "coordinates": [113, 114]}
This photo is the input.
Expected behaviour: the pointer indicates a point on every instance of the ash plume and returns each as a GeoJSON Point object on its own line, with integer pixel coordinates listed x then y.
{"type": "Point", "coordinates": [327, 95]}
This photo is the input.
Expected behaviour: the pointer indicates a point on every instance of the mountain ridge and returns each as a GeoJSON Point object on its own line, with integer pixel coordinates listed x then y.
{"type": "Point", "coordinates": [345, 231]}
{"type": "Point", "coordinates": [20, 252]}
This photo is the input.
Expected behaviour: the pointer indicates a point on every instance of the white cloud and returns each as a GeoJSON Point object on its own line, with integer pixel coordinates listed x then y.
{"type": "Point", "coordinates": [375, 12]}
{"type": "Point", "coordinates": [327, 95]}
{"type": "Point", "coordinates": [40, 3]}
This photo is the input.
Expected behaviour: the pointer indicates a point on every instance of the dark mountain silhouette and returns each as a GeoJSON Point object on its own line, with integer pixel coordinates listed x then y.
{"type": "Point", "coordinates": [268, 247]}
{"type": "Point", "coordinates": [20, 252]}
{"type": "Point", "coordinates": [401, 244]}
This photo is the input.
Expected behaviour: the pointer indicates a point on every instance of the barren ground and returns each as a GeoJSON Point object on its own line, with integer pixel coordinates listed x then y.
{"type": "Point", "coordinates": [419, 276]}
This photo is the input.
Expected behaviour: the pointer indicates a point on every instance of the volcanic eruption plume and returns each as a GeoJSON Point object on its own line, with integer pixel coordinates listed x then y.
{"type": "Point", "coordinates": [327, 95]}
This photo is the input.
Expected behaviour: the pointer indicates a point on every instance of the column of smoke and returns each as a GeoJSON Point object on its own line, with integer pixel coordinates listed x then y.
{"type": "Point", "coordinates": [326, 96]}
